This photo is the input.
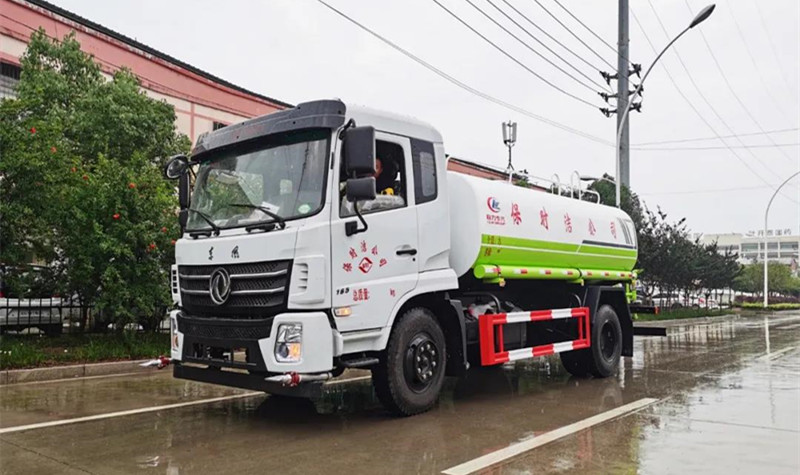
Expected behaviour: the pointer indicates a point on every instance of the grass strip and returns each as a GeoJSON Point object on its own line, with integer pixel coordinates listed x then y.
{"type": "Point", "coordinates": [36, 351]}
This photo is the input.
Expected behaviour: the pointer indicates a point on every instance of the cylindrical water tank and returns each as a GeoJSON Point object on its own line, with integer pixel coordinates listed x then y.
{"type": "Point", "coordinates": [495, 223]}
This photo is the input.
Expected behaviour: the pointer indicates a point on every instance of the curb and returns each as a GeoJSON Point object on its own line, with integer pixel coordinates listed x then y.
{"type": "Point", "coordinates": [73, 371]}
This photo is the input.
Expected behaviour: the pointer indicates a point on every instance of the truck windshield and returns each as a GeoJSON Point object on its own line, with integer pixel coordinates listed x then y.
{"type": "Point", "coordinates": [284, 176]}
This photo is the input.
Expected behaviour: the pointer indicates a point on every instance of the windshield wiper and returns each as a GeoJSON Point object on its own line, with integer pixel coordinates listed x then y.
{"type": "Point", "coordinates": [208, 220]}
{"type": "Point", "coordinates": [281, 222]}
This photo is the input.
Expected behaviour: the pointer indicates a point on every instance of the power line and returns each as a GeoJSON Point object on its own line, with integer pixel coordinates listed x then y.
{"type": "Point", "coordinates": [730, 88]}
{"type": "Point", "coordinates": [699, 139]}
{"type": "Point", "coordinates": [601, 86]}
{"type": "Point", "coordinates": [718, 148]}
{"type": "Point", "coordinates": [533, 50]}
{"type": "Point", "coordinates": [616, 52]}
{"type": "Point", "coordinates": [511, 57]}
{"type": "Point", "coordinates": [613, 68]}
{"type": "Point", "coordinates": [464, 86]}
{"type": "Point", "coordinates": [550, 36]}
{"type": "Point", "coordinates": [700, 91]}
{"type": "Point", "coordinates": [755, 66]}
{"type": "Point", "coordinates": [697, 112]}
{"type": "Point", "coordinates": [772, 48]}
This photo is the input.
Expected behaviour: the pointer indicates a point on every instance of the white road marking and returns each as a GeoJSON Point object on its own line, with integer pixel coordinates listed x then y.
{"type": "Point", "coordinates": [77, 378]}
{"type": "Point", "coordinates": [481, 463]}
{"type": "Point", "coordinates": [775, 354]}
{"type": "Point", "coordinates": [109, 415]}
{"type": "Point", "coordinates": [144, 410]}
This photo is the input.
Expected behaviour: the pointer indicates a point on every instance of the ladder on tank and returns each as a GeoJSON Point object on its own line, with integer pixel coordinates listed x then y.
{"type": "Point", "coordinates": [572, 190]}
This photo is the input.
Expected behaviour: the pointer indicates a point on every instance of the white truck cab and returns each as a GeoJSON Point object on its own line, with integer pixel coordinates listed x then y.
{"type": "Point", "coordinates": [319, 238]}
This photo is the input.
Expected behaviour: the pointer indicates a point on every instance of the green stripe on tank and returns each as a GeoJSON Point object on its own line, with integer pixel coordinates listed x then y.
{"type": "Point", "coordinates": [501, 250]}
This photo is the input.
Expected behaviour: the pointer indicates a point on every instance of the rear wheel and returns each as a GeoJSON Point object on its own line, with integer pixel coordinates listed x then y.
{"type": "Point", "coordinates": [602, 358]}
{"type": "Point", "coordinates": [410, 374]}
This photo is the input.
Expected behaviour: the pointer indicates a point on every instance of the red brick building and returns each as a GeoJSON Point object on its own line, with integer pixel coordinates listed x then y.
{"type": "Point", "coordinates": [202, 101]}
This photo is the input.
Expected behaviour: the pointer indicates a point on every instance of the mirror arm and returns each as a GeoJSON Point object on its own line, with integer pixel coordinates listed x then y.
{"type": "Point", "coordinates": [350, 123]}
{"type": "Point", "coordinates": [351, 227]}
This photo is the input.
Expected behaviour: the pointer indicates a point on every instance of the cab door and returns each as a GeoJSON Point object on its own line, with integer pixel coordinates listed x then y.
{"type": "Point", "coordinates": [374, 269]}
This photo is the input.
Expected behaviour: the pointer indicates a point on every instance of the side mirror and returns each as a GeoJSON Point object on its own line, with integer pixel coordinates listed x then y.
{"type": "Point", "coordinates": [184, 191]}
{"type": "Point", "coordinates": [360, 189]}
{"type": "Point", "coordinates": [176, 167]}
{"type": "Point", "coordinates": [359, 151]}
{"type": "Point", "coordinates": [183, 218]}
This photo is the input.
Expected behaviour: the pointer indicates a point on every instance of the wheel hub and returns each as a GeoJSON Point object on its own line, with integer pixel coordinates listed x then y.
{"type": "Point", "coordinates": [421, 362]}
{"type": "Point", "coordinates": [608, 341]}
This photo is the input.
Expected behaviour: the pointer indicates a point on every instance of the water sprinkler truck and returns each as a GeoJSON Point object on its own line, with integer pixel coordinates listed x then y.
{"type": "Point", "coordinates": [299, 260]}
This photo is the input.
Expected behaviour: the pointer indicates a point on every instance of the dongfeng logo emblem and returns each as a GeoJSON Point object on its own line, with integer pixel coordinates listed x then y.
{"type": "Point", "coordinates": [493, 204]}
{"type": "Point", "coordinates": [219, 286]}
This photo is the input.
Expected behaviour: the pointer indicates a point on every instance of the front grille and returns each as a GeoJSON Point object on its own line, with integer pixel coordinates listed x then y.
{"type": "Point", "coordinates": [195, 329]}
{"type": "Point", "coordinates": [258, 289]}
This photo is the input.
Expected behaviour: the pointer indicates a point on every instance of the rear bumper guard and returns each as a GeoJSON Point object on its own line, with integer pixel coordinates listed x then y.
{"type": "Point", "coordinates": [491, 342]}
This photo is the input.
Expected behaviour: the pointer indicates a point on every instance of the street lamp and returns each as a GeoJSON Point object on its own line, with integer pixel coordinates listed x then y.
{"type": "Point", "coordinates": [704, 13]}
{"type": "Point", "coordinates": [509, 138]}
{"type": "Point", "coordinates": [766, 254]}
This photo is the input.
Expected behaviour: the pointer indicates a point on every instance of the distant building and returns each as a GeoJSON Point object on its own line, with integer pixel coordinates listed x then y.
{"type": "Point", "coordinates": [782, 246]}
{"type": "Point", "coordinates": [203, 102]}
{"type": "Point", "coordinates": [484, 171]}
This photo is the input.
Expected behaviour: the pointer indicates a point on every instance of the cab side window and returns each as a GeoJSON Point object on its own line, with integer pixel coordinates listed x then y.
{"type": "Point", "coordinates": [390, 181]}
{"type": "Point", "coordinates": [424, 171]}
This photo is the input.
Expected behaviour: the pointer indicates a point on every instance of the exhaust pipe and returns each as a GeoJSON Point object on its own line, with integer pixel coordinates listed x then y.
{"type": "Point", "coordinates": [293, 379]}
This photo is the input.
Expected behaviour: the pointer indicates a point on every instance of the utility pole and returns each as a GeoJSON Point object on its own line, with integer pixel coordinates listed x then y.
{"type": "Point", "coordinates": [622, 95]}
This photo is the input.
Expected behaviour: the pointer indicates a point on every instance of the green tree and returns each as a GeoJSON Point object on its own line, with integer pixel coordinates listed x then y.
{"type": "Point", "coordinates": [781, 281]}
{"type": "Point", "coordinates": [80, 181]}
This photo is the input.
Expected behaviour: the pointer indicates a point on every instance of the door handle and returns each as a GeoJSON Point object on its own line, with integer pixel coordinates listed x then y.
{"type": "Point", "coordinates": [407, 252]}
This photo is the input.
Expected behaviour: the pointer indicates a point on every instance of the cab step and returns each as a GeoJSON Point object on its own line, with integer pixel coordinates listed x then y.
{"type": "Point", "coordinates": [360, 362]}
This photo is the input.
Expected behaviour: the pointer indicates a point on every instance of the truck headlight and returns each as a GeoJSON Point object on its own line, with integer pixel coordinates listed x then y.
{"type": "Point", "coordinates": [289, 343]}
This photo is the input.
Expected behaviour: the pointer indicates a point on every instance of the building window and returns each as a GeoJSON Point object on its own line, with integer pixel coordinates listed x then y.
{"type": "Point", "coordinates": [218, 125]}
{"type": "Point", "coordinates": [9, 77]}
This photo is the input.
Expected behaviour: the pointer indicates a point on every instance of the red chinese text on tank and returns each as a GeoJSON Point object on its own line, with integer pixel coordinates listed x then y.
{"type": "Point", "coordinates": [516, 216]}
{"type": "Point", "coordinates": [543, 219]}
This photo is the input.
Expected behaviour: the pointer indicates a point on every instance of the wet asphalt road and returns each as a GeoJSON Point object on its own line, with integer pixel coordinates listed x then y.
{"type": "Point", "coordinates": [728, 400]}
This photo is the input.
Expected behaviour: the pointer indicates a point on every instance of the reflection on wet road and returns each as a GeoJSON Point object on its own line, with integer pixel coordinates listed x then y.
{"type": "Point", "coordinates": [724, 405]}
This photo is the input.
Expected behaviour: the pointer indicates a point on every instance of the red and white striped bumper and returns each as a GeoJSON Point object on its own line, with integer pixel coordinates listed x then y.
{"type": "Point", "coordinates": [491, 341]}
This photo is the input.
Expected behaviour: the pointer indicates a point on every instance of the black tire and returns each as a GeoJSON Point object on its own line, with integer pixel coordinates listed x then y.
{"type": "Point", "coordinates": [410, 374]}
{"type": "Point", "coordinates": [576, 363]}
{"type": "Point", "coordinates": [602, 359]}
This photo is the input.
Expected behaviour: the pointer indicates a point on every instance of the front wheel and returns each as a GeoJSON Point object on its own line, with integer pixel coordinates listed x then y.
{"type": "Point", "coordinates": [410, 374]}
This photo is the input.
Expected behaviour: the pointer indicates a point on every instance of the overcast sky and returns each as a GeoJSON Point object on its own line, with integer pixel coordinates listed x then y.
{"type": "Point", "coordinates": [298, 50]}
